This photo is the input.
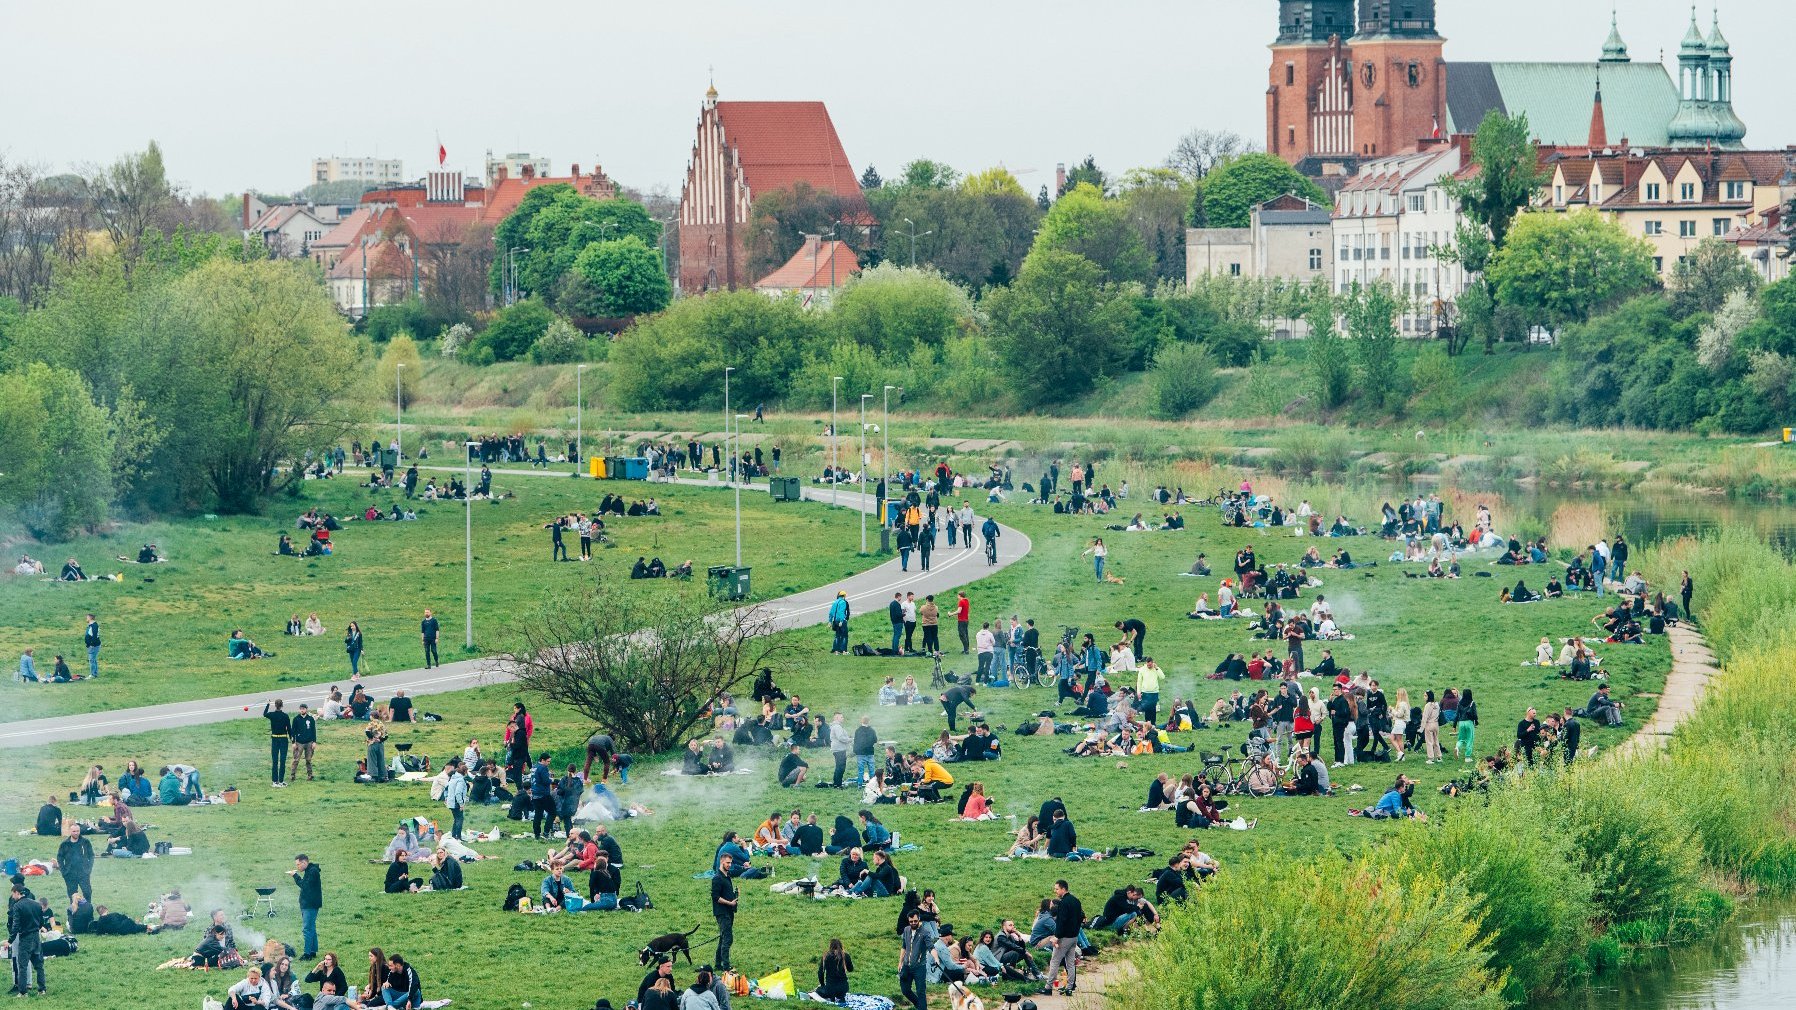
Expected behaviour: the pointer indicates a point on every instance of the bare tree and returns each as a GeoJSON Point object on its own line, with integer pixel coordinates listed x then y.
{"type": "Point", "coordinates": [131, 197]}
{"type": "Point", "coordinates": [43, 224]}
{"type": "Point", "coordinates": [644, 665]}
{"type": "Point", "coordinates": [1199, 152]}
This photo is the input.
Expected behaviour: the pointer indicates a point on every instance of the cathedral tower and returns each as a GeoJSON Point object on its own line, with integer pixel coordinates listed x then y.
{"type": "Point", "coordinates": [1309, 97]}
{"type": "Point", "coordinates": [1400, 77]}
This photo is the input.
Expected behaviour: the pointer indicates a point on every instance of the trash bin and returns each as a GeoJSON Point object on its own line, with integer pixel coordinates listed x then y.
{"type": "Point", "coordinates": [885, 539]}
{"type": "Point", "coordinates": [614, 467]}
{"type": "Point", "coordinates": [785, 489]}
{"type": "Point", "coordinates": [599, 469]}
{"type": "Point", "coordinates": [635, 468]}
{"type": "Point", "coordinates": [727, 582]}
{"type": "Point", "coordinates": [739, 584]}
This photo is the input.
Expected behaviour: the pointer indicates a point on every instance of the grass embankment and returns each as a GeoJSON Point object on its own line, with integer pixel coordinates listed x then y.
{"type": "Point", "coordinates": [1412, 634]}
{"type": "Point", "coordinates": [165, 625]}
{"type": "Point", "coordinates": [1507, 900]}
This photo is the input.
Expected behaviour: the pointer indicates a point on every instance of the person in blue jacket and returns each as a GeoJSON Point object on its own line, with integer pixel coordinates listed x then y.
{"type": "Point", "coordinates": [838, 623]}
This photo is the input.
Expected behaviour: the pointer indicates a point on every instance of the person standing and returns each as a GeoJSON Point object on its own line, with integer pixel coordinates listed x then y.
{"type": "Point", "coordinates": [455, 797]}
{"type": "Point", "coordinates": [917, 944]}
{"type": "Point", "coordinates": [1687, 586]}
{"type": "Point", "coordinates": [24, 917]}
{"type": "Point", "coordinates": [839, 744]}
{"type": "Point", "coordinates": [306, 877]}
{"type": "Point", "coordinates": [1069, 918]}
{"type": "Point", "coordinates": [865, 742]}
{"type": "Point", "coordinates": [558, 548]}
{"type": "Point", "coordinates": [925, 544]}
{"type": "Point", "coordinates": [1098, 553]}
{"type": "Point", "coordinates": [304, 733]}
{"type": "Point", "coordinates": [280, 731]}
{"type": "Point", "coordinates": [1147, 688]}
{"type": "Point", "coordinates": [542, 796]}
{"type": "Point", "coordinates": [929, 617]}
{"type": "Point", "coordinates": [91, 637]}
{"type": "Point", "coordinates": [895, 611]}
{"type": "Point", "coordinates": [1466, 723]}
{"type": "Point", "coordinates": [352, 644]}
{"type": "Point", "coordinates": [910, 621]}
{"type": "Point", "coordinates": [1137, 632]}
{"type": "Point", "coordinates": [963, 613]}
{"type": "Point", "coordinates": [427, 631]}
{"type": "Point", "coordinates": [838, 623]}
{"type": "Point", "coordinates": [987, 648]}
{"type": "Point", "coordinates": [75, 859]}
{"type": "Point", "coordinates": [723, 908]}
{"type": "Point", "coordinates": [966, 526]}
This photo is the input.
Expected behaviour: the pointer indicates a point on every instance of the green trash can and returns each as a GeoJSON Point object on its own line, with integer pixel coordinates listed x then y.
{"type": "Point", "coordinates": [785, 489]}
{"type": "Point", "coordinates": [739, 586]}
{"type": "Point", "coordinates": [727, 582]}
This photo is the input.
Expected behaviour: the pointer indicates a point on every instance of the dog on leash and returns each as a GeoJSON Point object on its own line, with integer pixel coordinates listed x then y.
{"type": "Point", "coordinates": [668, 945]}
{"type": "Point", "coordinates": [960, 998]}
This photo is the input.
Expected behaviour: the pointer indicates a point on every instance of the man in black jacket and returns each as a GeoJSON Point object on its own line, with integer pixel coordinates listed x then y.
{"type": "Point", "coordinates": [307, 878]}
{"type": "Point", "coordinates": [866, 741]}
{"type": "Point", "coordinates": [23, 920]}
{"type": "Point", "coordinates": [75, 858]}
{"type": "Point", "coordinates": [304, 733]}
{"type": "Point", "coordinates": [1340, 716]}
{"type": "Point", "coordinates": [895, 611]}
{"type": "Point", "coordinates": [1570, 732]}
{"type": "Point", "coordinates": [280, 730]}
{"type": "Point", "coordinates": [91, 638]}
{"type": "Point", "coordinates": [1137, 633]}
{"type": "Point", "coordinates": [1069, 919]}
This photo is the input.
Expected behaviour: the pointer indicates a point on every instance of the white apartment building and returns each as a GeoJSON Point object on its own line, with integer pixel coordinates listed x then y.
{"type": "Point", "coordinates": [375, 170]}
{"type": "Point", "coordinates": [1392, 221]}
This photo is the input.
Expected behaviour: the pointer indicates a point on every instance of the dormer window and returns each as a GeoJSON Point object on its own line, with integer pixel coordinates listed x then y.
{"type": "Point", "coordinates": [1652, 192]}
{"type": "Point", "coordinates": [1687, 191]}
{"type": "Point", "coordinates": [1736, 190]}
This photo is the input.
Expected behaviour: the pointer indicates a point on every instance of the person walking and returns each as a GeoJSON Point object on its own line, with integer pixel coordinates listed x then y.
{"type": "Point", "coordinates": [907, 542]}
{"type": "Point", "coordinates": [280, 731]}
{"type": "Point", "coordinates": [304, 733]}
{"type": "Point", "coordinates": [925, 545]}
{"type": "Point", "coordinates": [1687, 586]}
{"type": "Point", "coordinates": [91, 637]}
{"type": "Point", "coordinates": [24, 917]}
{"type": "Point", "coordinates": [966, 526]}
{"type": "Point", "coordinates": [1069, 918]}
{"type": "Point", "coordinates": [963, 614]}
{"type": "Point", "coordinates": [724, 897]}
{"type": "Point", "coordinates": [352, 644]}
{"type": "Point", "coordinates": [455, 797]}
{"type": "Point", "coordinates": [75, 860]}
{"type": "Point", "coordinates": [1467, 722]}
{"type": "Point", "coordinates": [557, 547]}
{"type": "Point", "coordinates": [838, 623]}
{"type": "Point", "coordinates": [917, 943]}
{"type": "Point", "coordinates": [1098, 553]}
{"type": "Point", "coordinates": [305, 876]}
{"type": "Point", "coordinates": [427, 631]}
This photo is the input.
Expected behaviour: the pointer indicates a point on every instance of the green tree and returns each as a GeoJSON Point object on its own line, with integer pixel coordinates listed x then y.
{"type": "Point", "coordinates": [1082, 222]}
{"type": "Point", "coordinates": [1155, 201]}
{"type": "Point", "coordinates": [1183, 378]}
{"type": "Point", "coordinates": [870, 179]}
{"type": "Point", "coordinates": [390, 378]}
{"type": "Point", "coordinates": [892, 309]}
{"type": "Point", "coordinates": [1331, 375]}
{"type": "Point", "coordinates": [130, 198]}
{"type": "Point", "coordinates": [1086, 173]}
{"type": "Point", "coordinates": [1703, 280]}
{"type": "Point", "coordinates": [56, 461]}
{"type": "Point", "coordinates": [976, 233]}
{"type": "Point", "coordinates": [554, 224]}
{"type": "Point", "coordinates": [1231, 191]}
{"type": "Point", "coordinates": [615, 278]}
{"type": "Point", "coordinates": [675, 359]}
{"type": "Point", "coordinates": [511, 333]}
{"type": "Point", "coordinates": [562, 343]}
{"type": "Point", "coordinates": [1507, 175]}
{"type": "Point", "coordinates": [780, 220]}
{"type": "Point", "coordinates": [1371, 317]}
{"type": "Point", "coordinates": [924, 173]}
{"type": "Point", "coordinates": [1057, 328]}
{"type": "Point", "coordinates": [1564, 268]}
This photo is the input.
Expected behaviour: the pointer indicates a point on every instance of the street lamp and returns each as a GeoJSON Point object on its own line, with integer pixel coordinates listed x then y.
{"type": "Point", "coordinates": [863, 473]}
{"type": "Point", "coordinates": [511, 273]}
{"type": "Point", "coordinates": [398, 413]}
{"type": "Point", "coordinates": [579, 417]}
{"type": "Point", "coordinates": [885, 432]}
{"type": "Point", "coordinates": [739, 419]}
{"type": "Point", "coordinates": [835, 483]}
{"type": "Point", "coordinates": [467, 494]}
{"type": "Point", "coordinates": [913, 239]}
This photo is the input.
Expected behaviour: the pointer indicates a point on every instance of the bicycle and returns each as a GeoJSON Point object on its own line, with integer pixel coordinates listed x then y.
{"type": "Point", "coordinates": [991, 551]}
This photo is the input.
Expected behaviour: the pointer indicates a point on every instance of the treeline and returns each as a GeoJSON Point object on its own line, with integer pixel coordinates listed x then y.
{"type": "Point", "coordinates": [1512, 897]}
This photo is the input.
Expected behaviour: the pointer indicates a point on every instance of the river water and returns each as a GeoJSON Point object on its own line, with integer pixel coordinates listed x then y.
{"type": "Point", "coordinates": [1750, 966]}
{"type": "Point", "coordinates": [1650, 517]}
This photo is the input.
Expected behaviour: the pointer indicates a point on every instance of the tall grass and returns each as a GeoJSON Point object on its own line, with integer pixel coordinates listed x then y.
{"type": "Point", "coordinates": [1577, 525]}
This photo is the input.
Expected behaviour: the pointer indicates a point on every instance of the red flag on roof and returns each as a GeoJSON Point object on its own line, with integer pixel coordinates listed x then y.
{"type": "Point", "coordinates": [1437, 128]}
{"type": "Point", "coordinates": [442, 153]}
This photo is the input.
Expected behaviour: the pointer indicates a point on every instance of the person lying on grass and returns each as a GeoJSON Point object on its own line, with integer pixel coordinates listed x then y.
{"type": "Point", "coordinates": [1395, 803]}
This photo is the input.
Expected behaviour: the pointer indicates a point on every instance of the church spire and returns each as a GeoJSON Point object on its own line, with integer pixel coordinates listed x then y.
{"type": "Point", "coordinates": [1614, 50]}
{"type": "Point", "coordinates": [1599, 130]}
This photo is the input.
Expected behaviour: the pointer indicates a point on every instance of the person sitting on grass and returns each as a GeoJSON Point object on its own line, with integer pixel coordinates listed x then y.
{"type": "Point", "coordinates": [242, 648]}
{"type": "Point", "coordinates": [792, 768]}
{"type": "Point", "coordinates": [558, 892]}
{"type": "Point", "coordinates": [399, 874]}
{"type": "Point", "coordinates": [881, 879]}
{"type": "Point", "coordinates": [1395, 803]}
{"type": "Point", "coordinates": [445, 871]}
{"type": "Point", "coordinates": [1310, 780]}
{"type": "Point", "coordinates": [71, 572]}
{"type": "Point", "coordinates": [974, 806]}
{"type": "Point", "coordinates": [1063, 840]}
{"type": "Point", "coordinates": [1127, 906]}
{"type": "Point", "coordinates": [210, 950]}
{"type": "Point", "coordinates": [877, 836]}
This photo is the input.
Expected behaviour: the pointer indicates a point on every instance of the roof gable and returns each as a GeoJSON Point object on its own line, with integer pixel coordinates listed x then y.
{"type": "Point", "coordinates": [780, 144]}
{"type": "Point", "coordinates": [822, 265]}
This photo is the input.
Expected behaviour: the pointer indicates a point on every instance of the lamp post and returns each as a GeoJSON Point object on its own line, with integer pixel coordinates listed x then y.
{"type": "Point", "coordinates": [511, 273]}
{"type": "Point", "coordinates": [739, 419]}
{"type": "Point", "coordinates": [728, 470]}
{"type": "Point", "coordinates": [835, 484]}
{"type": "Point", "coordinates": [913, 239]}
{"type": "Point", "coordinates": [398, 413]}
{"type": "Point", "coordinates": [885, 433]}
{"type": "Point", "coordinates": [863, 473]}
{"type": "Point", "coordinates": [579, 417]}
{"type": "Point", "coordinates": [468, 540]}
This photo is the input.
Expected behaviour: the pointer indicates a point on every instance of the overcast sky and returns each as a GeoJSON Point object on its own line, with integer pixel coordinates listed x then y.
{"type": "Point", "coordinates": [245, 94]}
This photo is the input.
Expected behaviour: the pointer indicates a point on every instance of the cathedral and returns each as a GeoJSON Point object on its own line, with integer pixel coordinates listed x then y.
{"type": "Point", "coordinates": [1345, 88]}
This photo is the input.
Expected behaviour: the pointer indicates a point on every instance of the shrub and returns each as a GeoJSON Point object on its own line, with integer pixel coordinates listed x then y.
{"type": "Point", "coordinates": [560, 344]}
{"type": "Point", "coordinates": [512, 332]}
{"type": "Point", "coordinates": [1627, 839]}
{"type": "Point", "coordinates": [1184, 378]}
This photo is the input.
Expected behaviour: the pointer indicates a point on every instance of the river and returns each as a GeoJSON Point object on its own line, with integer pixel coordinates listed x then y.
{"type": "Point", "coordinates": [1749, 966]}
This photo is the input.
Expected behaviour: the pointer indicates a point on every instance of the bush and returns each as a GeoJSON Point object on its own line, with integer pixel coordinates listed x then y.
{"type": "Point", "coordinates": [1628, 840]}
{"type": "Point", "coordinates": [1183, 378]}
{"type": "Point", "coordinates": [560, 344]}
{"type": "Point", "coordinates": [512, 332]}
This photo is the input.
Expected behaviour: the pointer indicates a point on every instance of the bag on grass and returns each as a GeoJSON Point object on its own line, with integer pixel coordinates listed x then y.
{"type": "Point", "coordinates": [513, 894]}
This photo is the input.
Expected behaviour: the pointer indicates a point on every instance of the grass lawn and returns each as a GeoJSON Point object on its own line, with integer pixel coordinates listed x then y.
{"type": "Point", "coordinates": [1411, 633]}
{"type": "Point", "coordinates": [165, 639]}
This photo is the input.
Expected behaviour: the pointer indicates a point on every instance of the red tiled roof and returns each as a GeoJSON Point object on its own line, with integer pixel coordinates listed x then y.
{"type": "Point", "coordinates": [437, 224]}
{"type": "Point", "coordinates": [781, 144]}
{"type": "Point", "coordinates": [347, 231]}
{"type": "Point", "coordinates": [385, 260]}
{"type": "Point", "coordinates": [833, 265]}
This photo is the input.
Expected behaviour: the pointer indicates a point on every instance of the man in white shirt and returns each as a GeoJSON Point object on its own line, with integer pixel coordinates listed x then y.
{"type": "Point", "coordinates": [985, 644]}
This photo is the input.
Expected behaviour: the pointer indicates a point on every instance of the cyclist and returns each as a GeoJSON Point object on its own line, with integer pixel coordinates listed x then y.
{"type": "Point", "coordinates": [990, 532]}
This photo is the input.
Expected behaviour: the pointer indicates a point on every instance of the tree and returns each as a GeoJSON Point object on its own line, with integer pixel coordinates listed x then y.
{"type": "Point", "coordinates": [1330, 375]}
{"type": "Point", "coordinates": [1200, 151]}
{"type": "Point", "coordinates": [870, 179]}
{"type": "Point", "coordinates": [924, 173]}
{"type": "Point", "coordinates": [130, 197]}
{"type": "Point", "coordinates": [644, 666]}
{"type": "Point", "coordinates": [1562, 268]}
{"type": "Point", "coordinates": [390, 378]}
{"type": "Point", "coordinates": [43, 226]}
{"type": "Point", "coordinates": [555, 224]}
{"type": "Point", "coordinates": [1057, 328]}
{"type": "Point", "coordinates": [1233, 190]}
{"type": "Point", "coordinates": [1371, 315]}
{"type": "Point", "coordinates": [976, 233]}
{"type": "Point", "coordinates": [1183, 378]}
{"type": "Point", "coordinates": [893, 309]}
{"type": "Point", "coordinates": [675, 359]}
{"type": "Point", "coordinates": [56, 461]}
{"type": "Point", "coordinates": [1508, 174]}
{"type": "Point", "coordinates": [511, 333]}
{"type": "Point", "coordinates": [615, 278]}
{"type": "Point", "coordinates": [1704, 280]}
{"type": "Point", "coordinates": [780, 220]}
{"type": "Point", "coordinates": [1084, 223]}
{"type": "Point", "coordinates": [1155, 201]}
{"type": "Point", "coordinates": [560, 344]}
{"type": "Point", "coordinates": [1719, 337]}
{"type": "Point", "coordinates": [1086, 173]}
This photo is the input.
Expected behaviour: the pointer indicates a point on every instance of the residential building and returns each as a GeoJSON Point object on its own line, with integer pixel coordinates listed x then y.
{"type": "Point", "coordinates": [744, 150]}
{"type": "Point", "coordinates": [1345, 89]}
{"type": "Point", "coordinates": [1765, 245]}
{"type": "Point", "coordinates": [377, 272]}
{"type": "Point", "coordinates": [288, 230]}
{"type": "Point", "coordinates": [1392, 222]}
{"type": "Point", "coordinates": [1288, 238]}
{"type": "Point", "coordinates": [376, 170]}
{"type": "Point", "coordinates": [814, 272]}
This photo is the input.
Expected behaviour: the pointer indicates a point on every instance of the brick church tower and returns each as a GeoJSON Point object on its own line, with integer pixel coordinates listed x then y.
{"type": "Point", "coordinates": [1401, 77]}
{"type": "Point", "coordinates": [1309, 99]}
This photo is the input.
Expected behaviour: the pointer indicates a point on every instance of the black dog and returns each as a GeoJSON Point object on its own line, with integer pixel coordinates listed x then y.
{"type": "Point", "coordinates": [668, 945]}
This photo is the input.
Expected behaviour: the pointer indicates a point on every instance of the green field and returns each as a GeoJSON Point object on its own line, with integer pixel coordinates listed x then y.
{"type": "Point", "coordinates": [165, 626]}
{"type": "Point", "coordinates": [1412, 634]}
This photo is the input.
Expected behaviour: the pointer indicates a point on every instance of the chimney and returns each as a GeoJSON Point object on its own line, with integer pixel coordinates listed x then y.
{"type": "Point", "coordinates": [529, 171]}
{"type": "Point", "coordinates": [500, 174]}
{"type": "Point", "coordinates": [1060, 178]}
{"type": "Point", "coordinates": [1599, 133]}
{"type": "Point", "coordinates": [576, 170]}
{"type": "Point", "coordinates": [246, 210]}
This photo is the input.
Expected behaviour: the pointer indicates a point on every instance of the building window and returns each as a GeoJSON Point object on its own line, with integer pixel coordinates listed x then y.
{"type": "Point", "coordinates": [1290, 74]}
{"type": "Point", "coordinates": [1234, 269]}
{"type": "Point", "coordinates": [1415, 74]}
{"type": "Point", "coordinates": [1315, 259]}
{"type": "Point", "coordinates": [1293, 135]}
{"type": "Point", "coordinates": [1736, 191]}
{"type": "Point", "coordinates": [1658, 264]}
{"type": "Point", "coordinates": [1686, 229]}
{"type": "Point", "coordinates": [1596, 192]}
{"type": "Point", "coordinates": [1721, 225]}
{"type": "Point", "coordinates": [1418, 202]}
{"type": "Point", "coordinates": [1559, 194]}
{"type": "Point", "coordinates": [1652, 192]}
{"type": "Point", "coordinates": [1655, 228]}
{"type": "Point", "coordinates": [1384, 251]}
{"type": "Point", "coordinates": [1686, 191]}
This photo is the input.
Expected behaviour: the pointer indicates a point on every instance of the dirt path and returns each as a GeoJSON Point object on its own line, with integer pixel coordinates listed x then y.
{"type": "Point", "coordinates": [1692, 665]}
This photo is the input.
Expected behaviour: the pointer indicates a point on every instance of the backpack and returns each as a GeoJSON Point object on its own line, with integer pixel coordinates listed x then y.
{"type": "Point", "coordinates": [638, 902]}
{"type": "Point", "coordinates": [513, 894]}
{"type": "Point", "coordinates": [862, 650]}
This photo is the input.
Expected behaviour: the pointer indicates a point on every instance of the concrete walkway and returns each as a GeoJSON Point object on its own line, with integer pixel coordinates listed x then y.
{"type": "Point", "coordinates": [952, 567]}
{"type": "Point", "coordinates": [1692, 666]}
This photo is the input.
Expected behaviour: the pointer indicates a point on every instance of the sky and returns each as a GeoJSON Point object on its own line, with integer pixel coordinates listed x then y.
{"type": "Point", "coordinates": [244, 94]}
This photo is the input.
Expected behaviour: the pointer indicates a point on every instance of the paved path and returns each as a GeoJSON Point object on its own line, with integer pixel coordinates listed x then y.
{"type": "Point", "coordinates": [1692, 665]}
{"type": "Point", "coordinates": [867, 591]}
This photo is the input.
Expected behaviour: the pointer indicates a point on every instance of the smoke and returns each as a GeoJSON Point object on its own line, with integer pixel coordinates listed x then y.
{"type": "Point", "coordinates": [1348, 611]}
{"type": "Point", "coordinates": [211, 892]}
